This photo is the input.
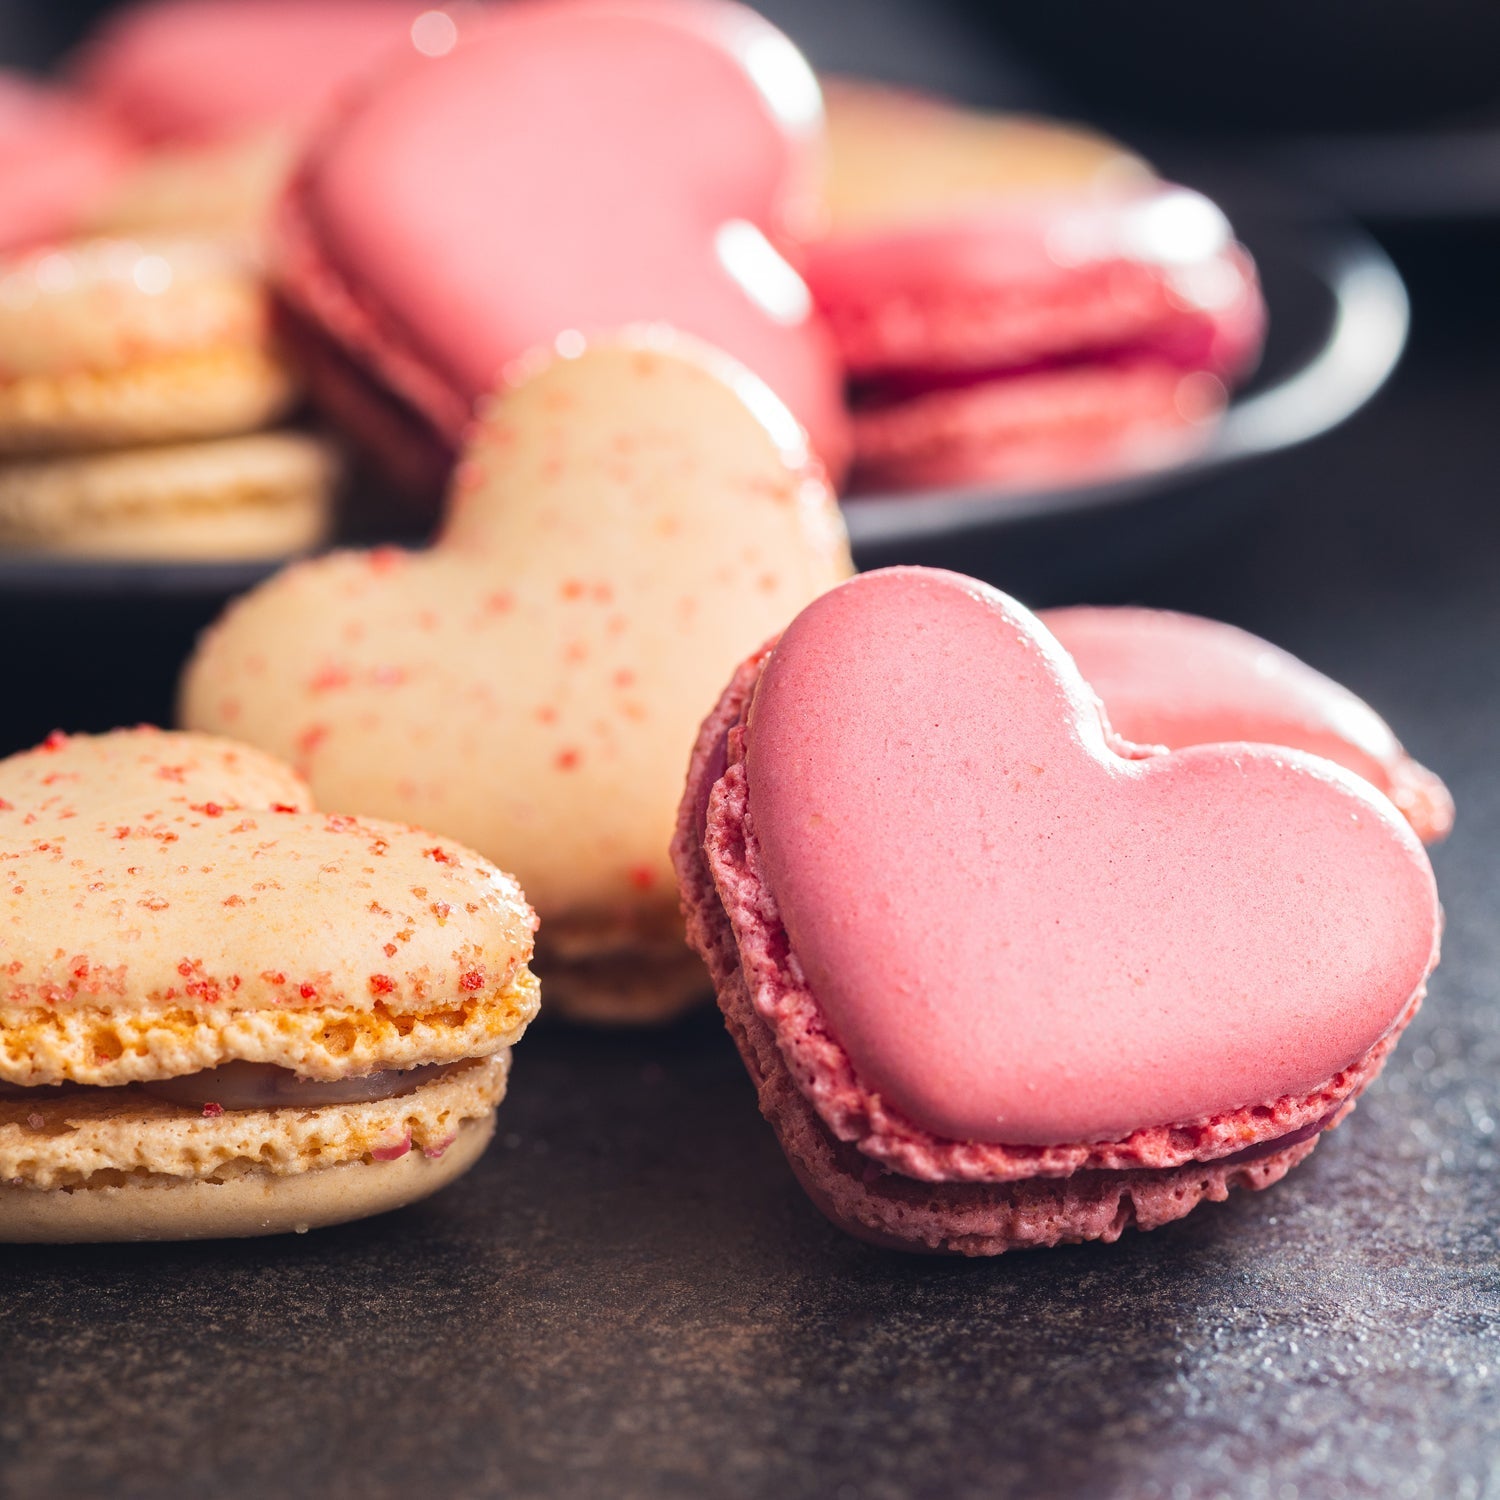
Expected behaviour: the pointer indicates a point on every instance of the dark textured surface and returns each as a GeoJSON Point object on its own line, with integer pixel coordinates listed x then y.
{"type": "Point", "coordinates": [630, 1297]}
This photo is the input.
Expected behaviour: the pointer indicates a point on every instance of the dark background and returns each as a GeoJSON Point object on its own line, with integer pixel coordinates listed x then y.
{"type": "Point", "coordinates": [631, 1297]}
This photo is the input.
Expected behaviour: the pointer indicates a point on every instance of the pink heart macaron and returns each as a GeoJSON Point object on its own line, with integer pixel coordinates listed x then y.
{"type": "Point", "coordinates": [562, 169]}
{"type": "Point", "coordinates": [1038, 340]}
{"type": "Point", "coordinates": [1002, 980]}
{"type": "Point", "coordinates": [58, 156]}
{"type": "Point", "coordinates": [221, 93]}
{"type": "Point", "coordinates": [1176, 680]}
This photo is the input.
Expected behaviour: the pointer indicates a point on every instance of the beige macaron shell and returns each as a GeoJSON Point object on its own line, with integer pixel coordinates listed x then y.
{"type": "Point", "coordinates": [625, 527]}
{"type": "Point", "coordinates": [266, 495]}
{"type": "Point", "coordinates": [241, 1207]}
{"type": "Point", "coordinates": [897, 157]}
{"type": "Point", "coordinates": [108, 342]}
{"type": "Point", "coordinates": [99, 1136]}
{"type": "Point", "coordinates": [222, 189]}
{"type": "Point", "coordinates": [163, 916]}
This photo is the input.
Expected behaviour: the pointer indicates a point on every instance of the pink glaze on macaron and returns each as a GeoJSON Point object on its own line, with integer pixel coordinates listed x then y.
{"type": "Point", "coordinates": [58, 157]}
{"type": "Point", "coordinates": [567, 167]}
{"type": "Point", "coordinates": [1002, 979]}
{"type": "Point", "coordinates": [196, 71]}
{"type": "Point", "coordinates": [1176, 680]}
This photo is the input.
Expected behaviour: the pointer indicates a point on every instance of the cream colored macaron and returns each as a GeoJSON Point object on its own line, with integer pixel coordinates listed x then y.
{"type": "Point", "coordinates": [111, 342]}
{"type": "Point", "coordinates": [221, 189]}
{"type": "Point", "coordinates": [896, 156]}
{"type": "Point", "coordinates": [223, 1013]}
{"type": "Point", "coordinates": [629, 520]}
{"type": "Point", "coordinates": [269, 495]}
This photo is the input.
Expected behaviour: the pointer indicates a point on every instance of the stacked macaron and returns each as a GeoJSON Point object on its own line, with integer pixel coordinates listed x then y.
{"type": "Point", "coordinates": [138, 378]}
{"type": "Point", "coordinates": [1004, 979]}
{"type": "Point", "coordinates": [227, 1014]}
{"type": "Point", "coordinates": [1019, 304]}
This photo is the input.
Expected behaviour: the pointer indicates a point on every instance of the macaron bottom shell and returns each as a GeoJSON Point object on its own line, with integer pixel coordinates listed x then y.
{"type": "Point", "coordinates": [107, 1164]}
{"type": "Point", "coordinates": [244, 1207]}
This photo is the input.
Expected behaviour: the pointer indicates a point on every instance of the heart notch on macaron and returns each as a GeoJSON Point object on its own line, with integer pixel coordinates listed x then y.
{"type": "Point", "coordinates": [629, 520]}
{"type": "Point", "coordinates": [1003, 979]}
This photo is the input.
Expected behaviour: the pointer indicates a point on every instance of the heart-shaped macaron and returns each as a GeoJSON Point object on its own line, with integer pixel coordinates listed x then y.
{"type": "Point", "coordinates": [628, 523]}
{"type": "Point", "coordinates": [1002, 979]}
{"type": "Point", "coordinates": [1021, 936]}
{"type": "Point", "coordinates": [573, 166]}
{"type": "Point", "coordinates": [225, 1013]}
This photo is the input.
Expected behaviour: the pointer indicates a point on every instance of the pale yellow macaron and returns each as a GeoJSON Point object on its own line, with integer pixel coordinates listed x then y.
{"type": "Point", "coordinates": [223, 189]}
{"type": "Point", "coordinates": [267, 495]}
{"type": "Point", "coordinates": [630, 519]}
{"type": "Point", "coordinates": [113, 342]}
{"type": "Point", "coordinates": [223, 1013]}
{"type": "Point", "coordinates": [896, 156]}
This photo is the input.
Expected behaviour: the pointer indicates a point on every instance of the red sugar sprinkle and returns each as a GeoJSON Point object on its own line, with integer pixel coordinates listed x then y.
{"type": "Point", "coordinates": [186, 967]}
{"type": "Point", "coordinates": [383, 559]}
{"type": "Point", "coordinates": [54, 741]}
{"type": "Point", "coordinates": [473, 979]}
{"type": "Point", "coordinates": [234, 901]}
{"type": "Point", "coordinates": [311, 738]}
{"type": "Point", "coordinates": [208, 809]}
{"type": "Point", "coordinates": [642, 877]}
{"type": "Point", "coordinates": [155, 903]}
{"type": "Point", "coordinates": [122, 833]}
{"type": "Point", "coordinates": [440, 856]}
{"type": "Point", "coordinates": [382, 984]}
{"type": "Point", "coordinates": [393, 1153]}
{"type": "Point", "coordinates": [273, 976]}
{"type": "Point", "coordinates": [391, 950]}
{"type": "Point", "coordinates": [171, 773]}
{"type": "Point", "coordinates": [5, 806]}
{"type": "Point", "coordinates": [566, 760]}
{"type": "Point", "coordinates": [573, 588]}
{"type": "Point", "coordinates": [283, 807]}
{"type": "Point", "coordinates": [329, 679]}
{"type": "Point", "coordinates": [501, 603]}
{"type": "Point", "coordinates": [308, 991]}
{"type": "Point", "coordinates": [546, 715]}
{"type": "Point", "coordinates": [212, 1111]}
{"type": "Point", "coordinates": [440, 910]}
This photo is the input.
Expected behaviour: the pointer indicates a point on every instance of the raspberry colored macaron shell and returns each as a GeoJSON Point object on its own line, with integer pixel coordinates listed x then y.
{"type": "Point", "coordinates": [1157, 272]}
{"type": "Point", "coordinates": [1176, 680]}
{"type": "Point", "coordinates": [206, 70]}
{"type": "Point", "coordinates": [1020, 936]}
{"type": "Point", "coordinates": [58, 156]}
{"type": "Point", "coordinates": [569, 166]}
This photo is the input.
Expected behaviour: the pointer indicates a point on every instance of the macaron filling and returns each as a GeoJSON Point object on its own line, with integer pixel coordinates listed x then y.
{"type": "Point", "coordinates": [248, 1085]}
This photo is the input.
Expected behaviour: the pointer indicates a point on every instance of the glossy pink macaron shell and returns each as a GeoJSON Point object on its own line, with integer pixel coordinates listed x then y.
{"type": "Point", "coordinates": [1176, 680]}
{"type": "Point", "coordinates": [1155, 272]}
{"type": "Point", "coordinates": [205, 70]}
{"type": "Point", "coordinates": [937, 803]}
{"type": "Point", "coordinates": [471, 209]}
{"type": "Point", "coordinates": [58, 158]}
